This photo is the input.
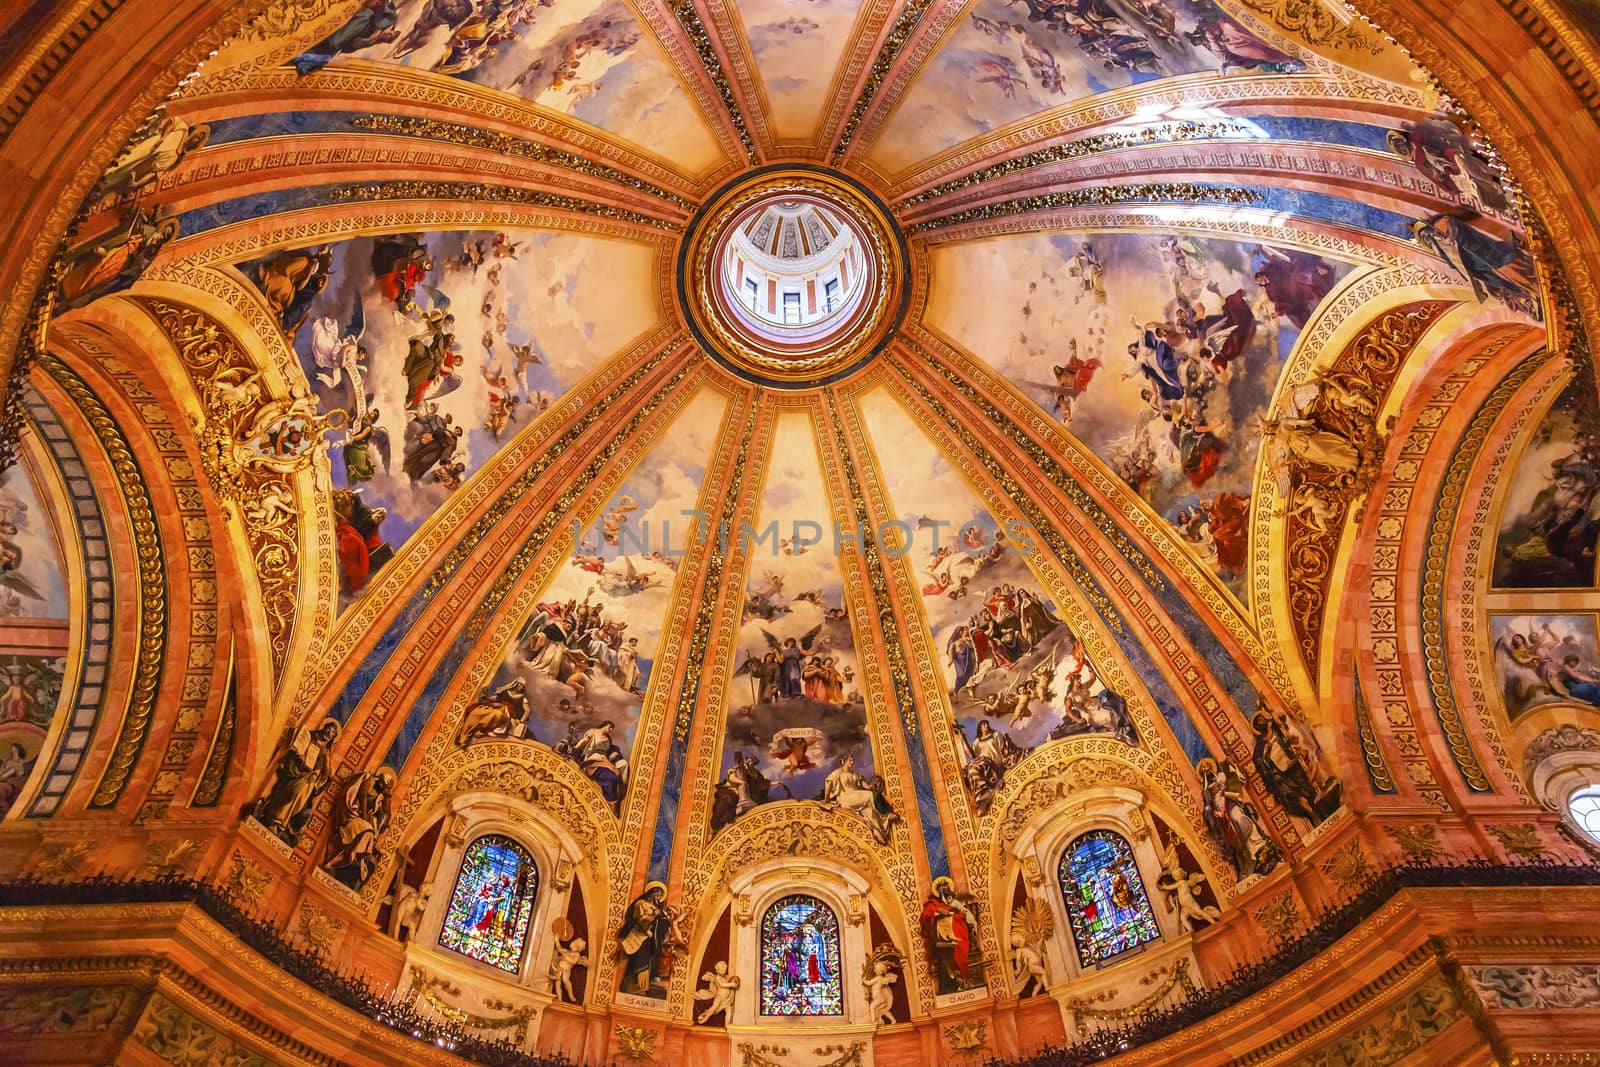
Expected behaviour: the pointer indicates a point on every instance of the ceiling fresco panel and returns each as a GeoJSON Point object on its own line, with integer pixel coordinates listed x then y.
{"type": "Point", "coordinates": [1548, 530]}
{"type": "Point", "coordinates": [574, 679]}
{"type": "Point", "coordinates": [797, 725]}
{"type": "Point", "coordinates": [797, 49]}
{"type": "Point", "coordinates": [1016, 675]}
{"type": "Point", "coordinates": [439, 348]}
{"type": "Point", "coordinates": [1007, 61]}
{"type": "Point", "coordinates": [591, 60]}
{"type": "Point", "coordinates": [1160, 353]}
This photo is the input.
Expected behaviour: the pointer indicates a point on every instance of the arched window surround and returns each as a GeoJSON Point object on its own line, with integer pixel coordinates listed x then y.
{"type": "Point", "coordinates": [1041, 845]}
{"type": "Point", "coordinates": [554, 854]}
{"type": "Point", "coordinates": [753, 892]}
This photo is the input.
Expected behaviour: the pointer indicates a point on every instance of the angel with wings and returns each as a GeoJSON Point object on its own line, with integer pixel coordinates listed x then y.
{"type": "Point", "coordinates": [792, 655]}
{"type": "Point", "coordinates": [878, 979]}
{"type": "Point", "coordinates": [1182, 891]}
{"type": "Point", "coordinates": [720, 989]}
{"type": "Point", "coordinates": [1032, 926]}
{"type": "Point", "coordinates": [614, 519]}
{"type": "Point", "coordinates": [792, 749]}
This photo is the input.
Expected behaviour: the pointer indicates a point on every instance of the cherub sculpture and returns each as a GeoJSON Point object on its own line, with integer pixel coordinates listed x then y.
{"type": "Point", "coordinates": [1181, 888]}
{"type": "Point", "coordinates": [409, 906]}
{"type": "Point", "coordinates": [568, 956]}
{"type": "Point", "coordinates": [1031, 926]}
{"type": "Point", "coordinates": [878, 978]}
{"type": "Point", "coordinates": [720, 989]}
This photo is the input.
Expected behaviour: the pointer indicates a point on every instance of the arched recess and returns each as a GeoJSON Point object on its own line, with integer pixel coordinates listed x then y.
{"type": "Point", "coordinates": [789, 835]}
{"type": "Point", "coordinates": [242, 519]}
{"type": "Point", "coordinates": [761, 888]}
{"type": "Point", "coordinates": [1167, 965]}
{"type": "Point", "coordinates": [1380, 575]}
{"type": "Point", "coordinates": [453, 982]}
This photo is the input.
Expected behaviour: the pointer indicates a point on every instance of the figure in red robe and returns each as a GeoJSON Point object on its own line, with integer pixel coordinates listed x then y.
{"type": "Point", "coordinates": [948, 931]}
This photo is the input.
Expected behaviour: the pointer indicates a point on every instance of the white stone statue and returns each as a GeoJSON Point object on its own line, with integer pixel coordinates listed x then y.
{"type": "Point", "coordinates": [567, 957]}
{"type": "Point", "coordinates": [720, 988]}
{"type": "Point", "coordinates": [406, 915]}
{"type": "Point", "coordinates": [878, 979]}
{"type": "Point", "coordinates": [1032, 925]}
{"type": "Point", "coordinates": [1180, 888]}
{"type": "Point", "coordinates": [1027, 966]}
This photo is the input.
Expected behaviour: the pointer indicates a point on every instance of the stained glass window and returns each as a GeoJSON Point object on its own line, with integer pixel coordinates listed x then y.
{"type": "Point", "coordinates": [1106, 900]}
{"type": "Point", "coordinates": [800, 972]}
{"type": "Point", "coordinates": [492, 903]}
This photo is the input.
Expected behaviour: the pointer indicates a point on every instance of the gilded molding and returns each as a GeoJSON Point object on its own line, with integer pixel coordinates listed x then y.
{"type": "Point", "coordinates": [484, 193]}
{"type": "Point", "coordinates": [150, 650]}
{"type": "Point", "coordinates": [694, 29]}
{"type": "Point", "coordinates": [867, 90]}
{"type": "Point", "coordinates": [1441, 547]}
{"type": "Point", "coordinates": [1109, 141]}
{"type": "Point", "coordinates": [1093, 196]}
{"type": "Point", "coordinates": [511, 145]}
{"type": "Point", "coordinates": [1314, 22]}
{"type": "Point", "coordinates": [1366, 368]}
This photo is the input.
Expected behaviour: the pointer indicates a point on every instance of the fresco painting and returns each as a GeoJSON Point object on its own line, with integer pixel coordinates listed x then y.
{"type": "Point", "coordinates": [575, 677]}
{"type": "Point", "coordinates": [438, 348]}
{"type": "Point", "coordinates": [1545, 659]}
{"type": "Point", "coordinates": [1016, 674]}
{"type": "Point", "coordinates": [31, 569]}
{"type": "Point", "coordinates": [1158, 352]}
{"type": "Point", "coordinates": [1549, 522]}
{"type": "Point", "coordinates": [590, 59]}
{"type": "Point", "coordinates": [1009, 60]}
{"type": "Point", "coordinates": [797, 724]}
{"type": "Point", "coordinates": [797, 48]}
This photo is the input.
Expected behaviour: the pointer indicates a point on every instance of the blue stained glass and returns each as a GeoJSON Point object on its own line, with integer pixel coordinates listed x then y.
{"type": "Point", "coordinates": [800, 971]}
{"type": "Point", "coordinates": [492, 903]}
{"type": "Point", "coordinates": [1106, 899]}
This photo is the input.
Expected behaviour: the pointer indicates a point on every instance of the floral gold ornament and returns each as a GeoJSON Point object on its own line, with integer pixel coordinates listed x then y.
{"type": "Point", "coordinates": [1520, 839]}
{"type": "Point", "coordinates": [636, 1044]}
{"type": "Point", "coordinates": [1418, 842]}
{"type": "Point", "coordinates": [1279, 918]}
{"type": "Point", "coordinates": [968, 1038]}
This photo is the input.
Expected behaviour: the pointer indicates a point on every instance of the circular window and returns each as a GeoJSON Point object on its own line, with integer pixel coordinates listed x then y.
{"type": "Point", "coordinates": [1584, 805]}
{"type": "Point", "coordinates": [793, 275]}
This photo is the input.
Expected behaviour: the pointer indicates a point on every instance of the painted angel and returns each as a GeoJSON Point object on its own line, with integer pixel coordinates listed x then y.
{"type": "Point", "coordinates": [614, 519]}
{"type": "Point", "coordinates": [794, 747]}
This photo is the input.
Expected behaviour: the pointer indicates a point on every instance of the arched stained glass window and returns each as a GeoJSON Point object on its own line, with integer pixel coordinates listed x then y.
{"type": "Point", "coordinates": [800, 969]}
{"type": "Point", "coordinates": [493, 903]}
{"type": "Point", "coordinates": [1106, 900]}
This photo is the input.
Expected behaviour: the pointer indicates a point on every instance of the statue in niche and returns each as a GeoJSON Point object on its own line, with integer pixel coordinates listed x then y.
{"type": "Point", "coordinates": [1181, 889]}
{"type": "Point", "coordinates": [409, 907]}
{"type": "Point", "coordinates": [1031, 926]}
{"type": "Point", "coordinates": [304, 768]}
{"type": "Point", "coordinates": [360, 818]}
{"type": "Point", "coordinates": [878, 979]}
{"type": "Point", "coordinates": [720, 989]}
{"type": "Point", "coordinates": [647, 941]}
{"type": "Point", "coordinates": [570, 954]}
{"type": "Point", "coordinates": [1232, 819]}
{"type": "Point", "coordinates": [950, 929]}
{"type": "Point", "coordinates": [1285, 756]}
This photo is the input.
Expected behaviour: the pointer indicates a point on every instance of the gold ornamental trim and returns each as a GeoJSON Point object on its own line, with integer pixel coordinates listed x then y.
{"type": "Point", "coordinates": [828, 352]}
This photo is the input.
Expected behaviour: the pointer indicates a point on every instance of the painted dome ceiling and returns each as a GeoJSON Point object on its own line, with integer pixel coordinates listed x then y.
{"type": "Point", "coordinates": [685, 404]}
